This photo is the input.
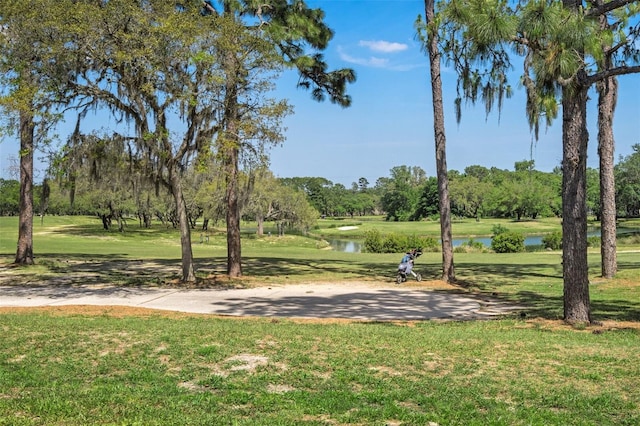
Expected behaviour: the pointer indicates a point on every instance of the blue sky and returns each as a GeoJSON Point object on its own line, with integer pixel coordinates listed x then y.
{"type": "Point", "coordinates": [390, 121]}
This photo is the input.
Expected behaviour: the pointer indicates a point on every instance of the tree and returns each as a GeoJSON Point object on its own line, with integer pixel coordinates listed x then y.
{"type": "Point", "coordinates": [260, 203]}
{"type": "Point", "coordinates": [317, 190]}
{"type": "Point", "coordinates": [29, 71]}
{"type": "Point", "coordinates": [141, 67]}
{"type": "Point", "coordinates": [628, 183]}
{"type": "Point", "coordinates": [429, 200]}
{"type": "Point", "coordinates": [534, 196]}
{"type": "Point", "coordinates": [607, 98]}
{"type": "Point", "coordinates": [363, 184]}
{"type": "Point", "coordinates": [9, 197]}
{"type": "Point", "coordinates": [556, 39]}
{"type": "Point", "coordinates": [102, 170]}
{"type": "Point", "coordinates": [593, 193]}
{"type": "Point", "coordinates": [401, 192]}
{"type": "Point", "coordinates": [431, 41]}
{"type": "Point", "coordinates": [292, 29]}
{"type": "Point", "coordinates": [574, 105]}
{"type": "Point", "coordinates": [469, 193]}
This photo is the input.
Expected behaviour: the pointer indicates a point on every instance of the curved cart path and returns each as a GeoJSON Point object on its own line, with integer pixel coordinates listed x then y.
{"type": "Point", "coordinates": [359, 301]}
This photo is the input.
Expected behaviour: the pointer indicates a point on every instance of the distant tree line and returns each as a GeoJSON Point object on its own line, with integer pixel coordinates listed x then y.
{"type": "Point", "coordinates": [294, 203]}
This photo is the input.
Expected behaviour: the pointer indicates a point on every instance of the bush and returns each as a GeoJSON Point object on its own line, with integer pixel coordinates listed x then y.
{"type": "Point", "coordinates": [593, 241]}
{"type": "Point", "coordinates": [632, 239]}
{"type": "Point", "coordinates": [508, 242]}
{"type": "Point", "coordinates": [375, 242]}
{"type": "Point", "coordinates": [470, 246]}
{"type": "Point", "coordinates": [553, 241]}
{"type": "Point", "coordinates": [394, 243]}
{"type": "Point", "coordinates": [499, 229]}
{"type": "Point", "coordinates": [425, 243]}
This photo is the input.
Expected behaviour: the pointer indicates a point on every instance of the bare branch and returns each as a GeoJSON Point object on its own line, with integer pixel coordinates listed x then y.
{"type": "Point", "coordinates": [612, 73]}
{"type": "Point", "coordinates": [608, 7]}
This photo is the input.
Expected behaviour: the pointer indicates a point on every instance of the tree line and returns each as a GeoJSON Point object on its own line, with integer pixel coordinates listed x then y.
{"type": "Point", "coordinates": [294, 204]}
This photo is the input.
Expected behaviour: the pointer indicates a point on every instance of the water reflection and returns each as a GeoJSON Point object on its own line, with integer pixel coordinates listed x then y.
{"type": "Point", "coordinates": [346, 246]}
{"type": "Point", "coordinates": [351, 246]}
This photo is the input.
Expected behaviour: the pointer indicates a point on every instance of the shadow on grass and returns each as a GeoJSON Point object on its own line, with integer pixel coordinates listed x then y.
{"type": "Point", "coordinates": [298, 302]}
{"type": "Point", "coordinates": [552, 307]}
{"type": "Point", "coordinates": [501, 279]}
{"type": "Point", "coordinates": [131, 229]}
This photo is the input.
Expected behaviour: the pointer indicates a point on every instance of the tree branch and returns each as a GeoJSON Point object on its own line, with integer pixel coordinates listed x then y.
{"type": "Point", "coordinates": [608, 7]}
{"type": "Point", "coordinates": [612, 73]}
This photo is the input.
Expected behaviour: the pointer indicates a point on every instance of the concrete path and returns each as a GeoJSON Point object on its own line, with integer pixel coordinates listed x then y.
{"type": "Point", "coordinates": [354, 301]}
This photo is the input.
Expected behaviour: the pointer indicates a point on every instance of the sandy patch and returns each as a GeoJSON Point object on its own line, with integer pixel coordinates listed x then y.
{"type": "Point", "coordinates": [347, 228]}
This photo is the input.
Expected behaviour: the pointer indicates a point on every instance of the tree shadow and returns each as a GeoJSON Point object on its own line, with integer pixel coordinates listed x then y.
{"type": "Point", "coordinates": [75, 270]}
{"type": "Point", "coordinates": [383, 305]}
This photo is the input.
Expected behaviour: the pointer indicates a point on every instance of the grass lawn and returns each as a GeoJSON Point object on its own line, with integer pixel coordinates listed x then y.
{"type": "Point", "coordinates": [108, 367]}
{"type": "Point", "coordinates": [118, 366]}
{"type": "Point", "coordinates": [357, 227]}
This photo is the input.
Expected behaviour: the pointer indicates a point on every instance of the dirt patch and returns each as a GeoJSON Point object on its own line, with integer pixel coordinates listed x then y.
{"type": "Point", "coordinates": [127, 311]}
{"type": "Point", "coordinates": [597, 328]}
{"type": "Point", "coordinates": [91, 310]}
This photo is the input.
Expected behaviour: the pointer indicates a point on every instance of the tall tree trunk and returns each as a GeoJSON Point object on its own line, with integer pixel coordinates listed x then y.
{"type": "Point", "coordinates": [448, 272]}
{"type": "Point", "coordinates": [188, 269]}
{"type": "Point", "coordinates": [574, 194]}
{"type": "Point", "coordinates": [260, 221]}
{"type": "Point", "coordinates": [24, 253]}
{"type": "Point", "coordinates": [607, 98]}
{"type": "Point", "coordinates": [574, 204]}
{"type": "Point", "coordinates": [230, 150]}
{"type": "Point", "coordinates": [234, 252]}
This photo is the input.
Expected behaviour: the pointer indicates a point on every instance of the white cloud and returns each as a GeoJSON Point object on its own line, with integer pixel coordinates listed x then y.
{"type": "Point", "coordinates": [383, 46]}
{"type": "Point", "coordinates": [371, 61]}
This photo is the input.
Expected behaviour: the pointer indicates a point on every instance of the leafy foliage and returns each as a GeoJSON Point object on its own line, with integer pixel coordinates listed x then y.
{"type": "Point", "coordinates": [628, 183]}
{"type": "Point", "coordinates": [552, 241]}
{"type": "Point", "coordinates": [470, 246]}
{"type": "Point", "coordinates": [508, 242]}
{"type": "Point", "coordinates": [376, 242]}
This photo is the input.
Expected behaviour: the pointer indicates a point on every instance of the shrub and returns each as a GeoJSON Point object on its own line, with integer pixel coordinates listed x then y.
{"type": "Point", "coordinates": [508, 242]}
{"type": "Point", "coordinates": [470, 246]}
{"type": "Point", "coordinates": [394, 243]}
{"type": "Point", "coordinates": [632, 239]}
{"type": "Point", "coordinates": [553, 241]}
{"type": "Point", "coordinates": [499, 229]}
{"type": "Point", "coordinates": [425, 243]}
{"type": "Point", "coordinates": [373, 241]}
{"type": "Point", "coordinates": [429, 244]}
{"type": "Point", "coordinates": [593, 241]}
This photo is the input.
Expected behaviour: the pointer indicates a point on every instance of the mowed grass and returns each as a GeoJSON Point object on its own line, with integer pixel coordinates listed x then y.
{"type": "Point", "coordinates": [107, 365]}
{"type": "Point", "coordinates": [357, 227]}
{"type": "Point", "coordinates": [76, 250]}
{"type": "Point", "coordinates": [152, 369]}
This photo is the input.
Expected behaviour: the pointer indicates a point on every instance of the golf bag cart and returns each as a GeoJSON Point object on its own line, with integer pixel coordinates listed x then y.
{"type": "Point", "coordinates": [405, 268]}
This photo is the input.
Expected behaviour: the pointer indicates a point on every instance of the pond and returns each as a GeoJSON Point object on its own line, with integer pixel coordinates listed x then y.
{"type": "Point", "coordinates": [351, 246]}
{"type": "Point", "coordinates": [355, 246]}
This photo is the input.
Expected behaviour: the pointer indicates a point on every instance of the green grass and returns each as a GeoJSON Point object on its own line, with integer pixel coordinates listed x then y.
{"type": "Point", "coordinates": [159, 370]}
{"type": "Point", "coordinates": [68, 248]}
{"type": "Point", "coordinates": [79, 367]}
{"type": "Point", "coordinates": [96, 367]}
{"type": "Point", "coordinates": [357, 227]}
